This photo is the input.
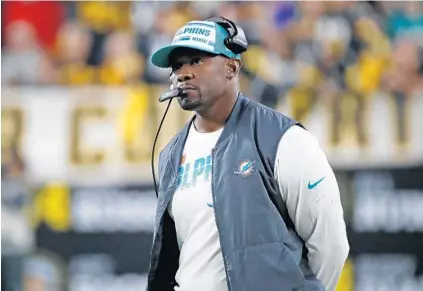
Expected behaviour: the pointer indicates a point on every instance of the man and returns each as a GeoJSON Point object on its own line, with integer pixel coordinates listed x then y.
{"type": "Point", "coordinates": [217, 224]}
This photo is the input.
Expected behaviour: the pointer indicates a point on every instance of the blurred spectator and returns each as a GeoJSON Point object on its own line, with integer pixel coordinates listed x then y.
{"type": "Point", "coordinates": [406, 20]}
{"type": "Point", "coordinates": [404, 80]}
{"type": "Point", "coordinates": [122, 64]}
{"type": "Point", "coordinates": [23, 60]}
{"type": "Point", "coordinates": [363, 75]}
{"type": "Point", "coordinates": [143, 15]}
{"type": "Point", "coordinates": [284, 14]}
{"type": "Point", "coordinates": [102, 18]}
{"type": "Point", "coordinates": [45, 17]}
{"type": "Point", "coordinates": [405, 75]}
{"type": "Point", "coordinates": [74, 44]}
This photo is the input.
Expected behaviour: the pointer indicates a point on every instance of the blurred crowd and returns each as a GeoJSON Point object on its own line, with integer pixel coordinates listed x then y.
{"type": "Point", "coordinates": [308, 50]}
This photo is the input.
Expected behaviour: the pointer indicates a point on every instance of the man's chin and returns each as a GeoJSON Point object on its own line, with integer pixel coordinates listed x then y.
{"type": "Point", "coordinates": [189, 106]}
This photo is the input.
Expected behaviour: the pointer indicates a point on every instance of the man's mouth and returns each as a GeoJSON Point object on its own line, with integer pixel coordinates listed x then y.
{"type": "Point", "coordinates": [187, 88]}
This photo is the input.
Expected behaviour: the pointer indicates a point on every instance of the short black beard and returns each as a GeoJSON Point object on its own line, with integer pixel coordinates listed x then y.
{"type": "Point", "coordinates": [191, 106]}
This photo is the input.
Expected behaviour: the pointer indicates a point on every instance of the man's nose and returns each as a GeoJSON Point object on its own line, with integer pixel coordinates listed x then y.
{"type": "Point", "coordinates": [185, 74]}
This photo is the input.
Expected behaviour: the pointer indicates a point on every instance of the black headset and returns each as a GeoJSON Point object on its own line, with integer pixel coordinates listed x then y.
{"type": "Point", "coordinates": [236, 40]}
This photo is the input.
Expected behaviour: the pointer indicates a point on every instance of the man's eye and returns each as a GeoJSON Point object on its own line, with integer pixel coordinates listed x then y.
{"type": "Point", "coordinates": [197, 61]}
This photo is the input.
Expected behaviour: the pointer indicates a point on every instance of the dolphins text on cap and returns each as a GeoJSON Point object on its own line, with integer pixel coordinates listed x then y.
{"type": "Point", "coordinates": [194, 30]}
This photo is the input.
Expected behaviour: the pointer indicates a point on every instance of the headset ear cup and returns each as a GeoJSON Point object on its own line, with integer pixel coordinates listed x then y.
{"type": "Point", "coordinates": [236, 41]}
{"type": "Point", "coordinates": [230, 45]}
{"type": "Point", "coordinates": [234, 47]}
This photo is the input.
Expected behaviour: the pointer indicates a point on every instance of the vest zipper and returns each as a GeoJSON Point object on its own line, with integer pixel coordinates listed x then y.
{"type": "Point", "coordinates": [217, 220]}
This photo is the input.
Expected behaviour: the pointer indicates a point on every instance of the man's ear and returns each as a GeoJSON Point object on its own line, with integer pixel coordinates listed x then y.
{"type": "Point", "coordinates": [233, 68]}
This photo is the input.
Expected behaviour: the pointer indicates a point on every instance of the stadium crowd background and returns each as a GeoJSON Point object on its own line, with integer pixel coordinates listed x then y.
{"type": "Point", "coordinates": [316, 50]}
{"type": "Point", "coordinates": [343, 53]}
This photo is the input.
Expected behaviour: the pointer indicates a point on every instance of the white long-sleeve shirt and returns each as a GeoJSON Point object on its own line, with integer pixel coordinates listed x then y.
{"type": "Point", "coordinates": [317, 212]}
{"type": "Point", "coordinates": [308, 187]}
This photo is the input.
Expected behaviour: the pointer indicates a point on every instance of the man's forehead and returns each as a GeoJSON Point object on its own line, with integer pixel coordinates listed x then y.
{"type": "Point", "coordinates": [186, 54]}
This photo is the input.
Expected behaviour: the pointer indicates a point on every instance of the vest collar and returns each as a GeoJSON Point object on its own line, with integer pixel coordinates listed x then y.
{"type": "Point", "coordinates": [230, 125]}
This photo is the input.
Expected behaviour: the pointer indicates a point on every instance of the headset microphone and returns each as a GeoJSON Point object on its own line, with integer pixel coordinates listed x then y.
{"type": "Point", "coordinates": [171, 94]}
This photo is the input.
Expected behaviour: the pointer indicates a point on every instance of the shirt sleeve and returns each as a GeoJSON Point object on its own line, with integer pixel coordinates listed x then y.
{"type": "Point", "coordinates": [311, 193]}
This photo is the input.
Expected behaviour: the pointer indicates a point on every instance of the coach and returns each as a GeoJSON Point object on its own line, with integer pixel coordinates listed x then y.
{"type": "Point", "coordinates": [247, 198]}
